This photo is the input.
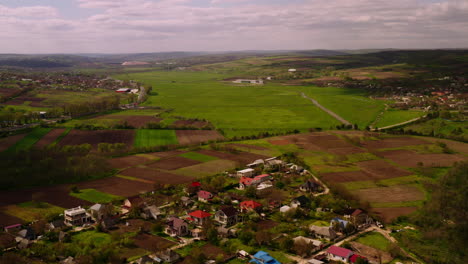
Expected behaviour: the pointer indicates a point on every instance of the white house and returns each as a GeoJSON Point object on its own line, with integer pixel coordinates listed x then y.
{"type": "Point", "coordinates": [246, 173]}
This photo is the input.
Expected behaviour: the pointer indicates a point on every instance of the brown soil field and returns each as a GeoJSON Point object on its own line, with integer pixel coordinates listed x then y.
{"type": "Point", "coordinates": [7, 92]}
{"type": "Point", "coordinates": [137, 121]}
{"type": "Point", "coordinates": [7, 220]}
{"type": "Point", "coordinates": [371, 253]}
{"type": "Point", "coordinates": [173, 163]}
{"type": "Point", "coordinates": [129, 161]}
{"type": "Point", "coordinates": [164, 154]}
{"type": "Point", "coordinates": [135, 225]}
{"type": "Point", "coordinates": [393, 142]}
{"type": "Point", "coordinates": [14, 102]}
{"type": "Point", "coordinates": [6, 143]}
{"type": "Point", "coordinates": [266, 224]}
{"type": "Point", "coordinates": [411, 159]}
{"type": "Point", "coordinates": [241, 157]}
{"type": "Point", "coordinates": [94, 137]}
{"type": "Point", "coordinates": [348, 176]}
{"type": "Point", "coordinates": [188, 137]}
{"type": "Point", "coordinates": [156, 176]}
{"type": "Point", "coordinates": [280, 142]}
{"type": "Point", "coordinates": [50, 137]}
{"type": "Point", "coordinates": [152, 243]}
{"type": "Point", "coordinates": [396, 193]}
{"type": "Point", "coordinates": [190, 123]}
{"type": "Point", "coordinates": [382, 169]}
{"type": "Point", "coordinates": [345, 151]}
{"type": "Point", "coordinates": [388, 214]}
{"type": "Point", "coordinates": [454, 145]}
{"type": "Point", "coordinates": [211, 251]}
{"type": "Point", "coordinates": [247, 146]}
{"type": "Point", "coordinates": [117, 186]}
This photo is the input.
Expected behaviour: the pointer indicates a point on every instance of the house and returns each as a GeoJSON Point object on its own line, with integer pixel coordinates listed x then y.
{"type": "Point", "coordinates": [259, 81]}
{"type": "Point", "coordinates": [204, 196]}
{"type": "Point", "coordinates": [98, 211]}
{"type": "Point", "coordinates": [285, 209]}
{"type": "Point", "coordinates": [274, 163]}
{"type": "Point", "coordinates": [292, 70]}
{"type": "Point", "coordinates": [324, 232]}
{"type": "Point", "coordinates": [265, 185]}
{"type": "Point", "coordinates": [56, 224]}
{"type": "Point", "coordinates": [245, 182]}
{"type": "Point", "coordinates": [109, 223]}
{"type": "Point", "coordinates": [176, 227]}
{"type": "Point", "coordinates": [339, 224]}
{"type": "Point", "coordinates": [193, 188]}
{"type": "Point", "coordinates": [263, 257]}
{"type": "Point", "coordinates": [227, 216]}
{"type": "Point", "coordinates": [296, 168]}
{"type": "Point", "coordinates": [12, 229]}
{"type": "Point", "coordinates": [357, 217]}
{"type": "Point", "coordinates": [339, 253]}
{"type": "Point", "coordinates": [316, 243]}
{"type": "Point", "coordinates": [146, 260]}
{"type": "Point", "coordinates": [199, 217]}
{"type": "Point", "coordinates": [123, 90]}
{"type": "Point", "coordinates": [256, 163]}
{"type": "Point", "coordinates": [310, 186]}
{"type": "Point", "coordinates": [169, 256]}
{"type": "Point", "coordinates": [355, 257]}
{"type": "Point", "coordinates": [246, 206]}
{"type": "Point", "coordinates": [315, 261]}
{"type": "Point", "coordinates": [27, 233]}
{"type": "Point", "coordinates": [225, 232]}
{"type": "Point", "coordinates": [69, 260]}
{"type": "Point", "coordinates": [197, 233]}
{"type": "Point", "coordinates": [131, 202]}
{"type": "Point", "coordinates": [246, 173]}
{"type": "Point", "coordinates": [151, 212]}
{"type": "Point", "coordinates": [76, 216]}
{"type": "Point", "coordinates": [186, 201]}
{"type": "Point", "coordinates": [300, 201]}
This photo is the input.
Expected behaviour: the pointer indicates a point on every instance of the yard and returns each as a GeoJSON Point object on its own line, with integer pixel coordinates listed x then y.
{"type": "Point", "coordinates": [95, 196]}
{"type": "Point", "coordinates": [30, 211]}
{"type": "Point", "coordinates": [150, 138]}
{"type": "Point", "coordinates": [375, 240]}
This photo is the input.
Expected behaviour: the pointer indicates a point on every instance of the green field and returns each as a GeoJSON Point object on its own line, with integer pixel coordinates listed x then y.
{"type": "Point", "coordinates": [440, 127]}
{"type": "Point", "coordinates": [375, 240]}
{"type": "Point", "coordinates": [92, 238]}
{"type": "Point", "coordinates": [351, 104]}
{"type": "Point", "coordinates": [29, 140]}
{"type": "Point", "coordinates": [198, 156]}
{"type": "Point", "coordinates": [151, 137]}
{"type": "Point", "coordinates": [95, 196]}
{"type": "Point", "coordinates": [393, 117]}
{"type": "Point", "coordinates": [237, 110]}
{"type": "Point", "coordinates": [30, 211]}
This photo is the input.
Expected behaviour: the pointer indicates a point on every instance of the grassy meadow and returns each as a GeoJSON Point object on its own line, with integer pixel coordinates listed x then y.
{"type": "Point", "coordinates": [392, 117]}
{"type": "Point", "coordinates": [95, 196]}
{"type": "Point", "coordinates": [150, 138]}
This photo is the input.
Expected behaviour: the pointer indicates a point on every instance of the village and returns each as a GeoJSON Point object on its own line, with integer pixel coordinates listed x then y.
{"type": "Point", "coordinates": [234, 217]}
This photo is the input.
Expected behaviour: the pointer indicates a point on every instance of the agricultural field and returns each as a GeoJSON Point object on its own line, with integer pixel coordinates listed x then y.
{"type": "Point", "coordinates": [393, 117]}
{"type": "Point", "coordinates": [440, 127]}
{"type": "Point", "coordinates": [30, 211]}
{"type": "Point", "coordinates": [94, 196]}
{"type": "Point", "coordinates": [150, 138]}
{"type": "Point", "coordinates": [29, 140]}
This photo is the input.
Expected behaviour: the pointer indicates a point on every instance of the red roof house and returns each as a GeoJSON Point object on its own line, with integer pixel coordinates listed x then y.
{"type": "Point", "coordinates": [199, 216]}
{"type": "Point", "coordinates": [204, 196]}
{"type": "Point", "coordinates": [247, 181]}
{"type": "Point", "coordinates": [249, 206]}
{"type": "Point", "coordinates": [339, 253]}
{"type": "Point", "coordinates": [354, 258]}
{"type": "Point", "coordinates": [195, 184]}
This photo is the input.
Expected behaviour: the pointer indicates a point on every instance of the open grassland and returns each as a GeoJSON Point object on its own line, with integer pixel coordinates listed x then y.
{"type": "Point", "coordinates": [197, 156]}
{"type": "Point", "coordinates": [30, 211]}
{"type": "Point", "coordinates": [149, 138]}
{"type": "Point", "coordinates": [95, 196]}
{"type": "Point", "coordinates": [351, 104]}
{"type": "Point", "coordinates": [237, 110]}
{"type": "Point", "coordinates": [441, 127]}
{"type": "Point", "coordinates": [393, 117]}
{"type": "Point", "coordinates": [29, 140]}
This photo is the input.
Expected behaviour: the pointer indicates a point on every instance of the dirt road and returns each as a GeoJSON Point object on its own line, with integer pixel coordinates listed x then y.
{"type": "Point", "coordinates": [337, 117]}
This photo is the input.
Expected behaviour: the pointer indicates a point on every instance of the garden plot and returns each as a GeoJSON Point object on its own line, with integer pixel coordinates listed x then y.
{"type": "Point", "coordinates": [173, 163]}
{"type": "Point", "coordinates": [156, 176]}
{"type": "Point", "coordinates": [382, 169]}
{"type": "Point", "coordinates": [94, 137]}
{"type": "Point", "coordinates": [391, 194]}
{"type": "Point", "coordinates": [408, 158]}
{"type": "Point", "coordinates": [188, 137]}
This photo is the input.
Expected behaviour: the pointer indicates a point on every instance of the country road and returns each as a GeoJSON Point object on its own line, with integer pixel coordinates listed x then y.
{"type": "Point", "coordinates": [400, 124]}
{"type": "Point", "coordinates": [337, 117]}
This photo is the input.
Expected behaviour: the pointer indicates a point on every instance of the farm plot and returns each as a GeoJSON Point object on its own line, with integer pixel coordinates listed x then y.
{"type": "Point", "coordinates": [247, 146]}
{"type": "Point", "coordinates": [382, 169]}
{"type": "Point", "coordinates": [392, 194]}
{"type": "Point", "coordinates": [50, 137]}
{"type": "Point", "coordinates": [197, 156]}
{"type": "Point", "coordinates": [151, 138]}
{"type": "Point", "coordinates": [388, 214]}
{"type": "Point", "coordinates": [241, 157]}
{"type": "Point", "coordinates": [30, 211]}
{"type": "Point", "coordinates": [137, 121]}
{"type": "Point", "coordinates": [152, 243]}
{"type": "Point", "coordinates": [94, 196]}
{"type": "Point", "coordinates": [207, 168]}
{"type": "Point", "coordinates": [280, 142]}
{"type": "Point", "coordinates": [156, 176]}
{"type": "Point", "coordinates": [6, 220]}
{"type": "Point", "coordinates": [348, 176]}
{"type": "Point", "coordinates": [393, 142]}
{"type": "Point", "coordinates": [129, 161]}
{"type": "Point", "coordinates": [6, 143]}
{"type": "Point", "coordinates": [408, 158]}
{"type": "Point", "coordinates": [117, 186]}
{"type": "Point", "coordinates": [94, 137]}
{"type": "Point", "coordinates": [30, 139]}
{"type": "Point", "coordinates": [188, 137]}
{"type": "Point", "coordinates": [190, 123]}
{"type": "Point", "coordinates": [173, 163]}
{"type": "Point", "coordinates": [164, 154]}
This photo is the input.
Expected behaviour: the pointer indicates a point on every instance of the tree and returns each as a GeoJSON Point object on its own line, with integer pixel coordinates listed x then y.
{"type": "Point", "coordinates": [302, 247]}
{"type": "Point", "coordinates": [251, 192]}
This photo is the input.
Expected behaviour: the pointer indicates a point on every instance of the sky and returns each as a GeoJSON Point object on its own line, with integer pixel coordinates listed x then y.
{"type": "Point", "coordinates": [135, 26]}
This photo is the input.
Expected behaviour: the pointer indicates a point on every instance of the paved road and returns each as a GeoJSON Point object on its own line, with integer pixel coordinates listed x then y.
{"type": "Point", "coordinates": [337, 117]}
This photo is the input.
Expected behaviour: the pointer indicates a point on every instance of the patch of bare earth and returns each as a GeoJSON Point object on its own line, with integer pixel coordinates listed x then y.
{"type": "Point", "coordinates": [348, 176]}
{"type": "Point", "coordinates": [393, 142]}
{"type": "Point", "coordinates": [247, 146]}
{"type": "Point", "coordinates": [189, 137]}
{"type": "Point", "coordinates": [94, 137]}
{"type": "Point", "coordinates": [241, 157]}
{"type": "Point", "coordinates": [137, 121]}
{"type": "Point", "coordinates": [382, 169]}
{"type": "Point", "coordinates": [156, 176]}
{"type": "Point", "coordinates": [124, 162]}
{"type": "Point", "coordinates": [152, 243]}
{"type": "Point", "coordinates": [173, 163]}
{"type": "Point", "coordinates": [372, 254]}
{"type": "Point", "coordinates": [50, 137]}
{"type": "Point", "coordinates": [391, 194]}
{"type": "Point", "coordinates": [6, 143]}
{"type": "Point", "coordinates": [280, 142]}
{"type": "Point", "coordinates": [117, 186]}
{"type": "Point", "coordinates": [408, 158]}
{"type": "Point", "coordinates": [388, 214]}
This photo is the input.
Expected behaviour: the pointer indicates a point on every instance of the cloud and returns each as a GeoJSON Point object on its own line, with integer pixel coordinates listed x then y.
{"type": "Point", "coordinates": [154, 25]}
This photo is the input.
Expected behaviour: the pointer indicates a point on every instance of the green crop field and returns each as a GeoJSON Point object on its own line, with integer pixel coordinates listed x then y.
{"type": "Point", "coordinates": [440, 127]}
{"type": "Point", "coordinates": [29, 140]}
{"type": "Point", "coordinates": [375, 240]}
{"type": "Point", "coordinates": [92, 238]}
{"type": "Point", "coordinates": [198, 156]}
{"type": "Point", "coordinates": [150, 137]}
{"type": "Point", "coordinates": [95, 196]}
{"type": "Point", "coordinates": [30, 211]}
{"type": "Point", "coordinates": [393, 117]}
{"type": "Point", "coordinates": [237, 110]}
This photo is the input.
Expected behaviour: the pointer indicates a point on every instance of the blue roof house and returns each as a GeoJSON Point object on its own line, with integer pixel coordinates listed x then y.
{"type": "Point", "coordinates": [342, 223]}
{"type": "Point", "coordinates": [263, 257]}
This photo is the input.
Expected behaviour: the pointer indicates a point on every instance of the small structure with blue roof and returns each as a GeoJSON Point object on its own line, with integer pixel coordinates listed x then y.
{"type": "Point", "coordinates": [263, 257]}
{"type": "Point", "coordinates": [342, 224]}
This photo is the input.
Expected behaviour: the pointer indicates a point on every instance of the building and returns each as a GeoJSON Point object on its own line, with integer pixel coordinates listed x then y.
{"type": "Point", "coordinates": [204, 196]}
{"type": "Point", "coordinates": [324, 232]}
{"type": "Point", "coordinates": [123, 90]}
{"type": "Point", "coordinates": [12, 229]}
{"type": "Point", "coordinates": [248, 81]}
{"type": "Point", "coordinates": [339, 254]}
{"type": "Point", "coordinates": [227, 216]}
{"type": "Point", "coordinates": [98, 211]}
{"type": "Point", "coordinates": [246, 173]}
{"type": "Point", "coordinates": [357, 217]}
{"type": "Point", "coordinates": [245, 182]}
{"type": "Point", "coordinates": [247, 206]}
{"type": "Point", "coordinates": [274, 163]}
{"type": "Point", "coordinates": [292, 70]}
{"type": "Point", "coordinates": [76, 216]}
{"type": "Point", "coordinates": [169, 256]}
{"type": "Point", "coordinates": [151, 212]}
{"type": "Point", "coordinates": [263, 257]}
{"type": "Point", "coordinates": [135, 201]}
{"type": "Point", "coordinates": [176, 227]}
{"type": "Point", "coordinates": [339, 224]}
{"type": "Point", "coordinates": [300, 201]}
{"type": "Point", "coordinates": [316, 243]}
{"type": "Point", "coordinates": [310, 186]}
{"type": "Point", "coordinates": [355, 257]}
{"type": "Point", "coordinates": [256, 163]}
{"type": "Point", "coordinates": [199, 217]}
